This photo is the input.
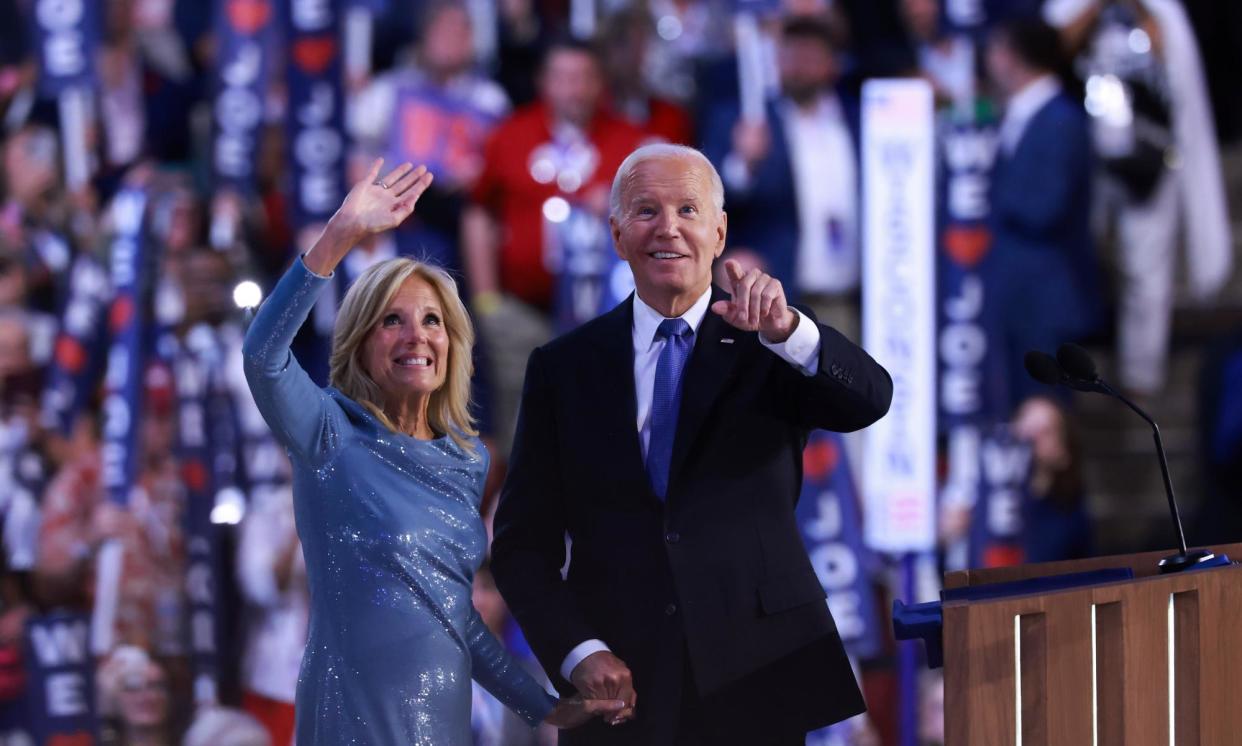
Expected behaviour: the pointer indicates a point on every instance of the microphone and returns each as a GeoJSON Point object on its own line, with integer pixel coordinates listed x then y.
{"type": "Point", "coordinates": [1073, 367]}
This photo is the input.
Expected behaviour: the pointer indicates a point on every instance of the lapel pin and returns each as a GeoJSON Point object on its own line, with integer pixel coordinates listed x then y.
{"type": "Point", "coordinates": [726, 340]}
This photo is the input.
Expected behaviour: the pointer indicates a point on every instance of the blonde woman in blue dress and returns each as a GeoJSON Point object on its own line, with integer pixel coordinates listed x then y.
{"type": "Point", "coordinates": [388, 477]}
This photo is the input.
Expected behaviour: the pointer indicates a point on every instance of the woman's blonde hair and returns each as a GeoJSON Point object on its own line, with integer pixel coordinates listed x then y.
{"type": "Point", "coordinates": [449, 409]}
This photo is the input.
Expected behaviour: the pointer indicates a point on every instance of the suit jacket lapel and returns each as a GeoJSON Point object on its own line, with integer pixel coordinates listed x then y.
{"type": "Point", "coordinates": [711, 364]}
{"type": "Point", "coordinates": [617, 403]}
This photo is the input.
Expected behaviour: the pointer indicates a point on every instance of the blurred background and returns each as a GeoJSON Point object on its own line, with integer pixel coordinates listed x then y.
{"type": "Point", "coordinates": [164, 161]}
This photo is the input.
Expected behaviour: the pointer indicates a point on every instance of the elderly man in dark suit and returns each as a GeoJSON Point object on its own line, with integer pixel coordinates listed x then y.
{"type": "Point", "coordinates": [665, 439]}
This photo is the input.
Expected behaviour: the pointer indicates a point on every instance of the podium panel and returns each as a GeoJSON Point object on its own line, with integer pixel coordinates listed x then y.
{"type": "Point", "coordinates": [1117, 663]}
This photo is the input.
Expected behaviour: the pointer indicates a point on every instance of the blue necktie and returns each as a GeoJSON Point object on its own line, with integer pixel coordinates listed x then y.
{"type": "Point", "coordinates": [666, 400]}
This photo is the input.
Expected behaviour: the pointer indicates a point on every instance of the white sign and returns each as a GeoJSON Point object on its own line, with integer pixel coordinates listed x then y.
{"type": "Point", "coordinates": [899, 312]}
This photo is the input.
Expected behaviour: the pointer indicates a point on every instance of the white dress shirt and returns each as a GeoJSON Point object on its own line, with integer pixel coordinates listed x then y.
{"type": "Point", "coordinates": [801, 350]}
{"type": "Point", "coordinates": [1024, 105]}
{"type": "Point", "coordinates": [821, 156]}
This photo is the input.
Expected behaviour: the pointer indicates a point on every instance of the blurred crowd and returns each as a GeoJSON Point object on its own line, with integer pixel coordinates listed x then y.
{"type": "Point", "coordinates": [1106, 126]}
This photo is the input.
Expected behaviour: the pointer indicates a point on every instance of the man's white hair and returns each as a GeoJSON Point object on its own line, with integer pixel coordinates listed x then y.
{"type": "Point", "coordinates": [663, 150]}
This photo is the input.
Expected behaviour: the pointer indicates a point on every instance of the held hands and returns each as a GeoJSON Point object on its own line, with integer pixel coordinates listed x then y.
{"type": "Point", "coordinates": [758, 304]}
{"type": "Point", "coordinates": [573, 711]}
{"type": "Point", "coordinates": [604, 676]}
{"type": "Point", "coordinates": [376, 204]}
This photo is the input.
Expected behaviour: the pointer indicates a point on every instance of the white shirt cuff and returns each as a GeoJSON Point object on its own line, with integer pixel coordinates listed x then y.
{"type": "Point", "coordinates": [579, 654]}
{"type": "Point", "coordinates": [801, 350]}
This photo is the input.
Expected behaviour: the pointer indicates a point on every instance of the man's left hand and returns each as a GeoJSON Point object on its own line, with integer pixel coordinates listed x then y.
{"type": "Point", "coordinates": [758, 304]}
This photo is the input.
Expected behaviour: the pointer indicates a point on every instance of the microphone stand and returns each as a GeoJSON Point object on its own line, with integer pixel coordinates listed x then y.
{"type": "Point", "coordinates": [1184, 559]}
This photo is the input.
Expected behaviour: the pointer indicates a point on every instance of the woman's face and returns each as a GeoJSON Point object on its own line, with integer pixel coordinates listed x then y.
{"type": "Point", "coordinates": [144, 698]}
{"type": "Point", "coordinates": [406, 353]}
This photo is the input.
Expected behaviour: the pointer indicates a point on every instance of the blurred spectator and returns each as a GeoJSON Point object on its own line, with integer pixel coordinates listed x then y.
{"type": "Point", "coordinates": [224, 726]}
{"type": "Point", "coordinates": [625, 41]}
{"type": "Point", "coordinates": [690, 33]}
{"type": "Point", "coordinates": [433, 109]}
{"type": "Point", "coordinates": [78, 517]}
{"type": "Point", "coordinates": [1041, 271]}
{"type": "Point", "coordinates": [566, 146]}
{"type": "Point", "coordinates": [792, 180]}
{"type": "Point", "coordinates": [1155, 136]}
{"type": "Point", "coordinates": [134, 698]}
{"type": "Point", "coordinates": [1055, 523]}
{"type": "Point", "coordinates": [521, 43]}
{"type": "Point", "coordinates": [272, 577]}
{"type": "Point", "coordinates": [946, 60]}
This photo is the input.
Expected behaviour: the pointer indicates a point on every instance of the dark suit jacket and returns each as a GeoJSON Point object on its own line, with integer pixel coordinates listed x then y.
{"type": "Point", "coordinates": [718, 569]}
{"type": "Point", "coordinates": [764, 217]}
{"type": "Point", "coordinates": [1042, 273]}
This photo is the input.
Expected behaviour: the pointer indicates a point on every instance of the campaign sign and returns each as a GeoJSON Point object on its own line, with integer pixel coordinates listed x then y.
{"type": "Point", "coordinates": [996, 527]}
{"type": "Point", "coordinates": [828, 518]}
{"type": "Point", "coordinates": [244, 30]}
{"type": "Point", "coordinates": [898, 181]}
{"type": "Point", "coordinates": [315, 122]}
{"type": "Point", "coordinates": [79, 347]}
{"type": "Point", "coordinates": [66, 36]}
{"type": "Point", "coordinates": [126, 322]}
{"type": "Point", "coordinates": [590, 277]}
{"type": "Point", "coordinates": [443, 132]}
{"type": "Point", "coordinates": [60, 683]}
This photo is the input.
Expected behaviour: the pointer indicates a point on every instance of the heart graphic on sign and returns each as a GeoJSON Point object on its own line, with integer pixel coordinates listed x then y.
{"type": "Point", "coordinates": [313, 54]}
{"type": "Point", "coordinates": [70, 354]}
{"type": "Point", "coordinates": [819, 459]}
{"type": "Point", "coordinates": [121, 312]}
{"type": "Point", "coordinates": [248, 16]}
{"type": "Point", "coordinates": [967, 246]}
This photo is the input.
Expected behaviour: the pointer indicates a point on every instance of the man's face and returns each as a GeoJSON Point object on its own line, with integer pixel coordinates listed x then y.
{"type": "Point", "coordinates": [571, 85]}
{"type": "Point", "coordinates": [207, 286]}
{"type": "Point", "coordinates": [807, 67]}
{"type": "Point", "coordinates": [30, 164]}
{"type": "Point", "coordinates": [668, 228]}
{"type": "Point", "coordinates": [1002, 64]}
{"type": "Point", "coordinates": [922, 18]}
{"type": "Point", "coordinates": [448, 42]}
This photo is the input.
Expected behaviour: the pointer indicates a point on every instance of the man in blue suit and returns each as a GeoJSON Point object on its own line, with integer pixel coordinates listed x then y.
{"type": "Point", "coordinates": [1042, 272]}
{"type": "Point", "coordinates": [792, 179]}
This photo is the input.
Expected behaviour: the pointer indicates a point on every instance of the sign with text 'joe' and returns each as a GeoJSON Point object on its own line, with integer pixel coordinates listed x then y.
{"type": "Point", "coordinates": [899, 313]}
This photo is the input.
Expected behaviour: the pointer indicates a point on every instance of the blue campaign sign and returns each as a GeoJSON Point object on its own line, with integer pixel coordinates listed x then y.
{"type": "Point", "coordinates": [316, 118]}
{"type": "Point", "coordinates": [66, 35]}
{"type": "Point", "coordinates": [243, 32]}
{"type": "Point", "coordinates": [829, 518]}
{"type": "Point", "coordinates": [126, 323]}
{"type": "Point", "coordinates": [80, 344]}
{"type": "Point", "coordinates": [590, 277]}
{"type": "Point", "coordinates": [443, 132]}
{"type": "Point", "coordinates": [996, 525]}
{"type": "Point", "coordinates": [60, 681]}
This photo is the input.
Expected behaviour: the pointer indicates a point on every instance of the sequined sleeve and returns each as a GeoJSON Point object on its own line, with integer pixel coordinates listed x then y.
{"type": "Point", "coordinates": [501, 675]}
{"type": "Point", "coordinates": [299, 413]}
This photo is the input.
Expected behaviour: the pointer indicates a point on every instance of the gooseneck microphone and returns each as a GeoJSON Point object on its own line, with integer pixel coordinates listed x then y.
{"type": "Point", "coordinates": [1074, 368]}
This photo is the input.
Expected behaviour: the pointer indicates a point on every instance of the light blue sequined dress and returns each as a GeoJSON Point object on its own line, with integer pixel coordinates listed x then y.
{"type": "Point", "coordinates": [391, 531]}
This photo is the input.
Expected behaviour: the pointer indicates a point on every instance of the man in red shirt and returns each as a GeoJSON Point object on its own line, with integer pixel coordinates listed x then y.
{"type": "Point", "coordinates": [553, 155]}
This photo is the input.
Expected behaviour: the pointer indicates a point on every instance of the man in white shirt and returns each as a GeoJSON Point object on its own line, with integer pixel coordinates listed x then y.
{"type": "Point", "coordinates": [665, 438]}
{"type": "Point", "coordinates": [792, 179]}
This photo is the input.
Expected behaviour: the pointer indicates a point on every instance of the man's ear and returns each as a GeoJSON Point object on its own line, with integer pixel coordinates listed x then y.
{"type": "Point", "coordinates": [614, 228]}
{"type": "Point", "coordinates": [722, 230]}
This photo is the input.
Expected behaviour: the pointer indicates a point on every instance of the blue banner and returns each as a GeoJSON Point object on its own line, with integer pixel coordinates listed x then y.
{"type": "Point", "coordinates": [243, 34]}
{"type": "Point", "coordinates": [59, 702]}
{"type": "Point", "coordinates": [80, 343]}
{"type": "Point", "coordinates": [126, 321]}
{"type": "Point", "coordinates": [996, 526]}
{"type": "Point", "coordinates": [443, 132]}
{"type": "Point", "coordinates": [66, 37]}
{"type": "Point", "coordinates": [590, 277]}
{"type": "Point", "coordinates": [315, 120]}
{"type": "Point", "coordinates": [829, 518]}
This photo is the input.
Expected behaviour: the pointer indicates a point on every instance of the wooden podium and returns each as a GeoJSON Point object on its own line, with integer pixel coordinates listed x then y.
{"type": "Point", "coordinates": [1114, 664]}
